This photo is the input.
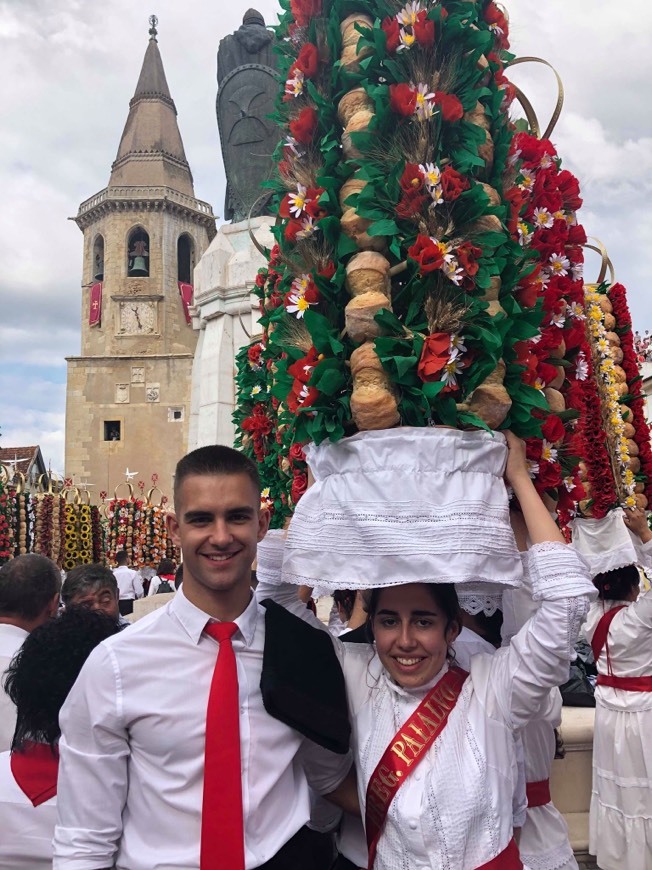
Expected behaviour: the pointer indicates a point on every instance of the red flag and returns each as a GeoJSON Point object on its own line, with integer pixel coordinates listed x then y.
{"type": "Point", "coordinates": [186, 298]}
{"type": "Point", "coordinates": [95, 310]}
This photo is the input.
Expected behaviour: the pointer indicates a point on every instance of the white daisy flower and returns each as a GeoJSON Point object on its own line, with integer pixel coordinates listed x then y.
{"type": "Point", "coordinates": [548, 452]}
{"type": "Point", "coordinates": [524, 234]}
{"type": "Point", "coordinates": [298, 304]}
{"type": "Point", "coordinates": [543, 219]}
{"type": "Point", "coordinates": [308, 228]}
{"type": "Point", "coordinates": [408, 15]}
{"type": "Point", "coordinates": [528, 177]}
{"type": "Point", "coordinates": [425, 105]}
{"type": "Point", "coordinates": [577, 271]}
{"type": "Point", "coordinates": [457, 343]}
{"type": "Point", "coordinates": [452, 270]}
{"type": "Point", "coordinates": [576, 311]}
{"type": "Point", "coordinates": [256, 390]}
{"type": "Point", "coordinates": [297, 201]}
{"type": "Point", "coordinates": [532, 468]}
{"type": "Point", "coordinates": [431, 174]}
{"type": "Point", "coordinates": [294, 86]}
{"type": "Point", "coordinates": [451, 370]}
{"type": "Point", "coordinates": [581, 367]}
{"type": "Point", "coordinates": [558, 265]}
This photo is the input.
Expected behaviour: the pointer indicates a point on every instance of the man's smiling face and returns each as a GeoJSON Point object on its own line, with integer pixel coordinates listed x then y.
{"type": "Point", "coordinates": [218, 523]}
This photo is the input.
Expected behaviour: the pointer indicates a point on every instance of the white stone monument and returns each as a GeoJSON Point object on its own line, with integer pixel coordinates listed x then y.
{"type": "Point", "coordinates": [225, 312]}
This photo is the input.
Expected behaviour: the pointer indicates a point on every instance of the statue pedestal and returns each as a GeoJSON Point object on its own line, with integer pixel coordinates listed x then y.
{"type": "Point", "coordinates": [225, 312]}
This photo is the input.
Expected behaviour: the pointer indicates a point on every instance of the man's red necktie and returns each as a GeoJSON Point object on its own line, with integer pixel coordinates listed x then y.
{"type": "Point", "coordinates": [222, 825]}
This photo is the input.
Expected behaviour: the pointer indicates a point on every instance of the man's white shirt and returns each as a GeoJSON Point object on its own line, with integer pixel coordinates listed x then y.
{"type": "Point", "coordinates": [130, 584]}
{"type": "Point", "coordinates": [11, 640]}
{"type": "Point", "coordinates": [132, 749]}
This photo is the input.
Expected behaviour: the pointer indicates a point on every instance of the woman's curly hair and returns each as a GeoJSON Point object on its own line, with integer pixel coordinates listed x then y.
{"type": "Point", "coordinates": [43, 671]}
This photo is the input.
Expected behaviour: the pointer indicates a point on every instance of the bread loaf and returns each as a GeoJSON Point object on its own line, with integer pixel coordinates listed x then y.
{"type": "Point", "coordinates": [366, 272]}
{"type": "Point", "coordinates": [373, 401]}
{"type": "Point", "coordinates": [359, 316]}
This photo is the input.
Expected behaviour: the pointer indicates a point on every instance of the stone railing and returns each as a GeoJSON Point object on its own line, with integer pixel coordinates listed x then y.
{"type": "Point", "coordinates": [128, 193]}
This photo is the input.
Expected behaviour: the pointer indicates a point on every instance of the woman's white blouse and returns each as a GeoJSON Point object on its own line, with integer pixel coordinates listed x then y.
{"type": "Point", "coordinates": [454, 811]}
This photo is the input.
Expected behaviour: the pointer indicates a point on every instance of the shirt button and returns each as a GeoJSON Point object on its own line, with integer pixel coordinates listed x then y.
{"type": "Point", "coordinates": [413, 825]}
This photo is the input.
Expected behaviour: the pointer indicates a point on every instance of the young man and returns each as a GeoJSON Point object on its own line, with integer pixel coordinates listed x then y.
{"type": "Point", "coordinates": [132, 790]}
{"type": "Point", "coordinates": [93, 587]}
{"type": "Point", "coordinates": [130, 585]}
{"type": "Point", "coordinates": [29, 596]}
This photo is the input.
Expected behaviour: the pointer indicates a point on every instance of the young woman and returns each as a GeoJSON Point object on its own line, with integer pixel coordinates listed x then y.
{"type": "Point", "coordinates": [619, 628]}
{"type": "Point", "coordinates": [433, 745]}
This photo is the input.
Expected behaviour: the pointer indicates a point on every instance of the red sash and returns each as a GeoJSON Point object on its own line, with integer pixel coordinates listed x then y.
{"type": "Point", "coordinates": [509, 859]}
{"type": "Point", "coordinates": [406, 750]}
{"type": "Point", "coordinates": [538, 793]}
{"type": "Point", "coordinates": [628, 684]}
{"type": "Point", "coordinates": [35, 770]}
{"type": "Point", "coordinates": [602, 630]}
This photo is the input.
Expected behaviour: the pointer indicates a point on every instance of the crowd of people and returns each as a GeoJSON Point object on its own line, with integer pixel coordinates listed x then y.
{"type": "Point", "coordinates": [231, 729]}
{"type": "Point", "coordinates": [643, 346]}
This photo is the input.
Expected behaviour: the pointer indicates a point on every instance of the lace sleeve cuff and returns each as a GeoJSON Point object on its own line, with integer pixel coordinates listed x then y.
{"type": "Point", "coordinates": [558, 571]}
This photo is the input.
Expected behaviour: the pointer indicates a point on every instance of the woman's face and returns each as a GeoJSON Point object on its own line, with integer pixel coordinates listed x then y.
{"type": "Point", "coordinates": [410, 633]}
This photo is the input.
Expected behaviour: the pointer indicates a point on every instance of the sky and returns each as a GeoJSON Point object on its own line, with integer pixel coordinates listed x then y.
{"type": "Point", "coordinates": [69, 68]}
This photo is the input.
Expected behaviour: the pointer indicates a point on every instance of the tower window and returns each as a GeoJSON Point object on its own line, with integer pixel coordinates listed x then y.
{"type": "Point", "coordinates": [138, 254]}
{"type": "Point", "coordinates": [112, 430]}
{"type": "Point", "coordinates": [175, 415]}
{"type": "Point", "coordinates": [98, 259]}
{"type": "Point", "coordinates": [185, 259]}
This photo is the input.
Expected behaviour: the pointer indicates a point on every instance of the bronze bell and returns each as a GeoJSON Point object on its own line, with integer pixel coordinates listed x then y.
{"type": "Point", "coordinates": [138, 267]}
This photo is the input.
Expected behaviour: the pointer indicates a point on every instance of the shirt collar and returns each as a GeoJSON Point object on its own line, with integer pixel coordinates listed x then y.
{"type": "Point", "coordinates": [194, 620]}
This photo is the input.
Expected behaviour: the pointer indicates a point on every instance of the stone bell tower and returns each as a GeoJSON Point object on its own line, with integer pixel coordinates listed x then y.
{"type": "Point", "coordinates": [128, 393]}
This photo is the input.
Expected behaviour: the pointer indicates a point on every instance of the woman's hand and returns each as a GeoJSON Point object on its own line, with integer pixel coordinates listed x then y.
{"type": "Point", "coordinates": [517, 469]}
{"type": "Point", "coordinates": [636, 521]}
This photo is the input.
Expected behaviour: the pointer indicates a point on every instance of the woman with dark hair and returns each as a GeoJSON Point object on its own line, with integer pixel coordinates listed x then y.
{"type": "Point", "coordinates": [434, 745]}
{"type": "Point", "coordinates": [164, 580]}
{"type": "Point", "coordinates": [38, 681]}
{"type": "Point", "coordinates": [619, 628]}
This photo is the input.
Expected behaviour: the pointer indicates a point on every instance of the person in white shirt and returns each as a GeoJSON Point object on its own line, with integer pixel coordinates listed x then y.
{"type": "Point", "coordinates": [38, 680]}
{"type": "Point", "coordinates": [165, 576]}
{"type": "Point", "coordinates": [619, 628]}
{"type": "Point", "coordinates": [130, 585]}
{"type": "Point", "coordinates": [134, 726]}
{"type": "Point", "coordinates": [29, 596]}
{"type": "Point", "coordinates": [437, 786]}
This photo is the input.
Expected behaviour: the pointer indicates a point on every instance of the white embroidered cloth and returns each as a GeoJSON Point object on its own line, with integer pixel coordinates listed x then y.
{"type": "Point", "coordinates": [606, 544]}
{"type": "Point", "coordinates": [404, 505]}
{"type": "Point", "coordinates": [269, 556]}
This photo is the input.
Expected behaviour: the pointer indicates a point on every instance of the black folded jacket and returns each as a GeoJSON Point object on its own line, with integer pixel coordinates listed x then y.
{"type": "Point", "coordinates": [302, 682]}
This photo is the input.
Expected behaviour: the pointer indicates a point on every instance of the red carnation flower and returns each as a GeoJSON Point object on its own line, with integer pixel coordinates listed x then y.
{"type": "Point", "coordinates": [451, 107]}
{"type": "Point", "coordinates": [553, 429]}
{"type": "Point", "coordinates": [296, 454]}
{"type": "Point", "coordinates": [453, 183]}
{"type": "Point", "coordinates": [305, 10]}
{"type": "Point", "coordinates": [403, 99]}
{"type": "Point", "coordinates": [392, 33]}
{"type": "Point", "coordinates": [467, 256]}
{"type": "Point", "coordinates": [307, 61]}
{"type": "Point", "coordinates": [304, 126]}
{"type": "Point", "coordinates": [498, 24]}
{"type": "Point", "coordinates": [424, 30]}
{"type": "Point", "coordinates": [412, 179]}
{"type": "Point", "coordinates": [299, 486]}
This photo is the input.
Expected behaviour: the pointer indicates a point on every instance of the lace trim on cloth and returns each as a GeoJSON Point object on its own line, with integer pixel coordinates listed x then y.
{"type": "Point", "coordinates": [474, 601]}
{"type": "Point", "coordinates": [558, 571]}
{"type": "Point", "coordinates": [554, 859]}
{"type": "Point", "coordinates": [269, 556]}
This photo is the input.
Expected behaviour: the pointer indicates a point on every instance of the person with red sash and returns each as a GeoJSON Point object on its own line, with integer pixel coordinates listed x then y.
{"type": "Point", "coordinates": [38, 681]}
{"type": "Point", "coordinates": [619, 629]}
{"type": "Point", "coordinates": [543, 843]}
{"type": "Point", "coordinates": [434, 745]}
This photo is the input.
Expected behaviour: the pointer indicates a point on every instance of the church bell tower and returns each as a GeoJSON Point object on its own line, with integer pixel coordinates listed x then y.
{"type": "Point", "coordinates": [128, 393]}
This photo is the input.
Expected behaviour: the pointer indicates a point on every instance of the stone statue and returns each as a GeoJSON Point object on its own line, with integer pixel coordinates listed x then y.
{"type": "Point", "coordinates": [247, 87]}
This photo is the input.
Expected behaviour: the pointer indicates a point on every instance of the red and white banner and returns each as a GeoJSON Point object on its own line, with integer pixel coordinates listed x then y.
{"type": "Point", "coordinates": [95, 308]}
{"type": "Point", "coordinates": [186, 290]}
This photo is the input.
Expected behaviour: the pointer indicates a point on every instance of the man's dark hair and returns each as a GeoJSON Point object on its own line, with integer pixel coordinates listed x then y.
{"type": "Point", "coordinates": [617, 585]}
{"type": "Point", "coordinates": [214, 459]}
{"type": "Point", "coordinates": [45, 668]}
{"type": "Point", "coordinates": [121, 557]}
{"type": "Point", "coordinates": [178, 576]}
{"type": "Point", "coordinates": [165, 566]}
{"type": "Point", "coordinates": [27, 585]}
{"type": "Point", "coordinates": [87, 578]}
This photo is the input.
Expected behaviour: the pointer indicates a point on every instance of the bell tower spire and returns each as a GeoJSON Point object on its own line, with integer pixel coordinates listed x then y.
{"type": "Point", "coordinates": [128, 394]}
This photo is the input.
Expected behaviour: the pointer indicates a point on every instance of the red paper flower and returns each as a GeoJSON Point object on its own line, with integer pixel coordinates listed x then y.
{"type": "Point", "coordinates": [453, 183]}
{"type": "Point", "coordinates": [427, 254]}
{"type": "Point", "coordinates": [299, 486]}
{"type": "Point", "coordinates": [305, 10]}
{"type": "Point", "coordinates": [392, 32]}
{"type": "Point", "coordinates": [498, 24]}
{"type": "Point", "coordinates": [434, 356]}
{"type": "Point", "coordinates": [403, 99]}
{"type": "Point", "coordinates": [304, 126]}
{"type": "Point", "coordinates": [451, 107]}
{"type": "Point", "coordinates": [424, 30]}
{"type": "Point", "coordinates": [553, 429]}
{"type": "Point", "coordinates": [296, 454]}
{"type": "Point", "coordinates": [307, 62]}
